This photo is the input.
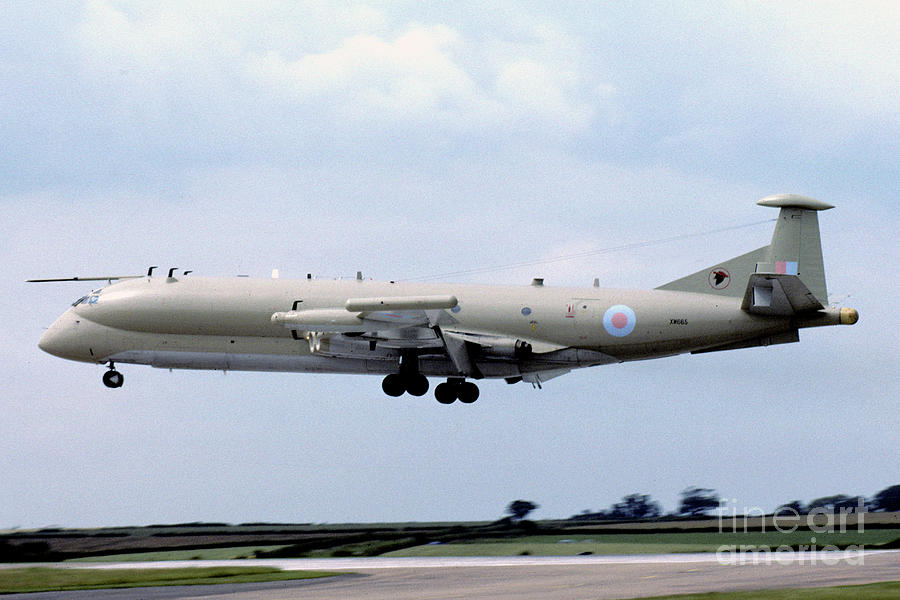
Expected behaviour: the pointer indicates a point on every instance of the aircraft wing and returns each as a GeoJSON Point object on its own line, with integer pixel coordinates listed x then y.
{"type": "Point", "coordinates": [360, 315]}
{"type": "Point", "coordinates": [105, 278]}
{"type": "Point", "coordinates": [424, 323]}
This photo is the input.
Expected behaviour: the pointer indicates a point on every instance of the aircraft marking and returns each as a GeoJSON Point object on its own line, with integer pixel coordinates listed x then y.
{"type": "Point", "coordinates": [719, 279]}
{"type": "Point", "coordinates": [787, 267]}
{"type": "Point", "coordinates": [619, 320]}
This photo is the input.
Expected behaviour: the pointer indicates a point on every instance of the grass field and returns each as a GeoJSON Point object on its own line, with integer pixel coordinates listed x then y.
{"type": "Point", "coordinates": [13, 581]}
{"type": "Point", "coordinates": [872, 591]}
{"type": "Point", "coordinates": [221, 541]}
{"type": "Point", "coordinates": [199, 554]}
{"type": "Point", "coordinates": [659, 543]}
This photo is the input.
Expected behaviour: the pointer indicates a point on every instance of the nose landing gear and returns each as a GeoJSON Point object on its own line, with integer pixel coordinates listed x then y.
{"type": "Point", "coordinates": [112, 378]}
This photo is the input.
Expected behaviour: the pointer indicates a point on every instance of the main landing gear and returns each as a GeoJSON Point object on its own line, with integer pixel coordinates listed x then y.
{"type": "Point", "coordinates": [410, 380]}
{"type": "Point", "coordinates": [456, 389]}
{"type": "Point", "coordinates": [112, 378]}
{"type": "Point", "coordinates": [449, 392]}
{"type": "Point", "coordinates": [407, 380]}
{"type": "Point", "coordinates": [396, 384]}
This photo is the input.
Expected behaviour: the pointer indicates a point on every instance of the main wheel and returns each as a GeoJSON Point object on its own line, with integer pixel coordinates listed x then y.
{"type": "Point", "coordinates": [467, 392]}
{"type": "Point", "coordinates": [113, 379]}
{"type": "Point", "coordinates": [393, 385]}
{"type": "Point", "coordinates": [417, 385]}
{"type": "Point", "coordinates": [445, 393]}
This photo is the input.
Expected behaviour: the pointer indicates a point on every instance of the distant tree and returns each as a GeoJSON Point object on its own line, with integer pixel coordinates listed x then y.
{"type": "Point", "coordinates": [836, 503]}
{"type": "Point", "coordinates": [791, 507]}
{"type": "Point", "coordinates": [588, 515]}
{"type": "Point", "coordinates": [697, 501]}
{"type": "Point", "coordinates": [636, 506]}
{"type": "Point", "coordinates": [519, 509]}
{"type": "Point", "coordinates": [887, 499]}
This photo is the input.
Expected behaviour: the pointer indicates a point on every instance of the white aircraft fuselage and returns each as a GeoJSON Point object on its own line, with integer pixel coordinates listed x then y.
{"type": "Point", "coordinates": [410, 331]}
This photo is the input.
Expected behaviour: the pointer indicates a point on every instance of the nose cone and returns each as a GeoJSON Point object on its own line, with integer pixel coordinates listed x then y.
{"type": "Point", "coordinates": [64, 339]}
{"type": "Point", "coordinates": [46, 342]}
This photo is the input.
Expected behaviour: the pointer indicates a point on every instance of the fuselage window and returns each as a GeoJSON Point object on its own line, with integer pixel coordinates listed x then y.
{"type": "Point", "coordinates": [79, 301]}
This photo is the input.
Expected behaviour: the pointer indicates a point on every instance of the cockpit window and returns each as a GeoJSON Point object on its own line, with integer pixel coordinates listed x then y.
{"type": "Point", "coordinates": [79, 301]}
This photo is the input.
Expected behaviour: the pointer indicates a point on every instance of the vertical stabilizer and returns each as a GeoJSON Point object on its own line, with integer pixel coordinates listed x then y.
{"type": "Point", "coordinates": [796, 247]}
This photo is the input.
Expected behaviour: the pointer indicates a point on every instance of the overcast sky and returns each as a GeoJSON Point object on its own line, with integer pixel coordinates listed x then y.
{"type": "Point", "coordinates": [409, 140]}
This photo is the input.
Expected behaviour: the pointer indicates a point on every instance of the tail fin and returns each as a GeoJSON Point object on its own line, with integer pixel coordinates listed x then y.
{"type": "Point", "coordinates": [795, 249]}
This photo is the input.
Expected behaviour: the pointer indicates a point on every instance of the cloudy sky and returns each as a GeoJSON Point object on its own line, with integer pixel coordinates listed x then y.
{"type": "Point", "coordinates": [409, 140]}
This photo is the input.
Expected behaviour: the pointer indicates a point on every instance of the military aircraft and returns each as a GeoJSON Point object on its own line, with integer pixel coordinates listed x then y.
{"type": "Point", "coordinates": [409, 331]}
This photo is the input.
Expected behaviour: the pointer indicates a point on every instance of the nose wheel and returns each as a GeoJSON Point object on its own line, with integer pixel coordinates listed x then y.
{"type": "Point", "coordinates": [112, 378]}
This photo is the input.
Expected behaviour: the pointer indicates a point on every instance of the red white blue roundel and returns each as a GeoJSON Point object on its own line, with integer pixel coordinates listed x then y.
{"type": "Point", "coordinates": [619, 320]}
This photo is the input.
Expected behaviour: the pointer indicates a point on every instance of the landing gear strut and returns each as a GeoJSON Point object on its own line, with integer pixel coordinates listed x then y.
{"type": "Point", "coordinates": [456, 389]}
{"type": "Point", "coordinates": [112, 378]}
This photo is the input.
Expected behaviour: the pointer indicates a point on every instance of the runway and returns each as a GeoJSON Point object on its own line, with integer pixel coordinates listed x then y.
{"type": "Point", "coordinates": [528, 577]}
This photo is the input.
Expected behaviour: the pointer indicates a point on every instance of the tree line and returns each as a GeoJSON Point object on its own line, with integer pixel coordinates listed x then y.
{"type": "Point", "coordinates": [698, 502]}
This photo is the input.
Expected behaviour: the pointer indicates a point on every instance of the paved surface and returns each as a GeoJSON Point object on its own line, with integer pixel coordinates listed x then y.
{"type": "Point", "coordinates": [575, 578]}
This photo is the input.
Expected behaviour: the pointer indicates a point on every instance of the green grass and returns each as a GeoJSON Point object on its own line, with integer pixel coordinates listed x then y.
{"type": "Point", "coordinates": [14, 581]}
{"type": "Point", "coordinates": [541, 549]}
{"type": "Point", "coordinates": [871, 591]}
{"type": "Point", "coordinates": [648, 543]}
{"type": "Point", "coordinates": [200, 554]}
{"type": "Point", "coordinates": [712, 539]}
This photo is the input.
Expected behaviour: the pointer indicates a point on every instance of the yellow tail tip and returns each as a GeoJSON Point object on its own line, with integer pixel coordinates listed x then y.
{"type": "Point", "coordinates": [849, 316]}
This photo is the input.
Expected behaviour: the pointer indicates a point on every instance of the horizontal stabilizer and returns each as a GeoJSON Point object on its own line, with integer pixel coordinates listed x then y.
{"type": "Point", "coordinates": [778, 295]}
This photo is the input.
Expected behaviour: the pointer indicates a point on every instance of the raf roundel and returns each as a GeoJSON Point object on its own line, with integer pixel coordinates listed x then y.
{"type": "Point", "coordinates": [619, 320]}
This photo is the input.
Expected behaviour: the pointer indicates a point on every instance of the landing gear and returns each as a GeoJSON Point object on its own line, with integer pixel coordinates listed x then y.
{"type": "Point", "coordinates": [456, 389]}
{"type": "Point", "coordinates": [112, 378]}
{"type": "Point", "coordinates": [467, 392]}
{"type": "Point", "coordinates": [417, 385]}
{"type": "Point", "coordinates": [393, 385]}
{"type": "Point", "coordinates": [396, 384]}
{"type": "Point", "coordinates": [407, 380]}
{"type": "Point", "coordinates": [445, 393]}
